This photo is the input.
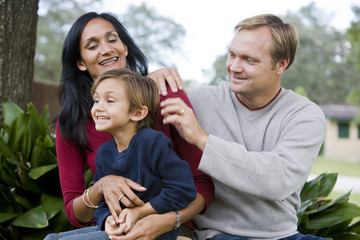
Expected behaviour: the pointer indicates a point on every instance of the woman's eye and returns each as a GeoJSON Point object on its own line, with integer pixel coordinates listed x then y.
{"type": "Point", "coordinates": [92, 46]}
{"type": "Point", "coordinates": [110, 101]}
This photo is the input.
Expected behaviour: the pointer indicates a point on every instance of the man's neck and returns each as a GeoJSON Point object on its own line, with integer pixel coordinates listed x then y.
{"type": "Point", "coordinates": [254, 104]}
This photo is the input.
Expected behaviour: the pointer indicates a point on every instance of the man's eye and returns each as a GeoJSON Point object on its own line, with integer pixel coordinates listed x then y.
{"type": "Point", "coordinates": [231, 55]}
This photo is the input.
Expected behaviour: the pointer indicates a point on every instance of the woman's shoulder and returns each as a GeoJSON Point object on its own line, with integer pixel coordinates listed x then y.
{"type": "Point", "coordinates": [179, 94]}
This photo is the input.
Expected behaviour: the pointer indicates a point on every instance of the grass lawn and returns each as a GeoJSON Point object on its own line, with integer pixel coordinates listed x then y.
{"type": "Point", "coordinates": [343, 168]}
{"type": "Point", "coordinates": [329, 165]}
{"type": "Point", "coordinates": [354, 197]}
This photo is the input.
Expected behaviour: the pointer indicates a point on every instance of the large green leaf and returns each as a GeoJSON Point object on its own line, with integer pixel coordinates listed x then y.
{"type": "Point", "coordinates": [338, 228]}
{"type": "Point", "coordinates": [346, 236]}
{"type": "Point", "coordinates": [321, 186]}
{"type": "Point", "coordinates": [7, 216]}
{"type": "Point", "coordinates": [304, 206]}
{"type": "Point", "coordinates": [43, 152]}
{"type": "Point", "coordinates": [10, 111]}
{"type": "Point", "coordinates": [24, 201]}
{"type": "Point", "coordinates": [355, 227]}
{"type": "Point", "coordinates": [7, 173]}
{"type": "Point", "coordinates": [34, 218]}
{"type": "Point", "coordinates": [327, 184]}
{"type": "Point", "coordinates": [37, 125]}
{"type": "Point", "coordinates": [38, 172]}
{"type": "Point", "coordinates": [19, 137]}
{"type": "Point", "coordinates": [8, 154]}
{"type": "Point", "coordinates": [52, 205]}
{"type": "Point", "coordinates": [327, 218]}
{"type": "Point", "coordinates": [328, 204]}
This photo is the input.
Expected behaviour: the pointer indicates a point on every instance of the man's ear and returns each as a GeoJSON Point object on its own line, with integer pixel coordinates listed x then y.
{"type": "Point", "coordinates": [139, 114]}
{"type": "Point", "coordinates": [282, 65]}
{"type": "Point", "coordinates": [81, 65]}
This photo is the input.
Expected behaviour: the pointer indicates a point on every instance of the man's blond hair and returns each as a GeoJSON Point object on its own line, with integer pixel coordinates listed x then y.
{"type": "Point", "coordinates": [285, 37]}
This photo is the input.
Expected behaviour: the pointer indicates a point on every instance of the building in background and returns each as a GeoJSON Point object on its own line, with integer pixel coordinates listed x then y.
{"type": "Point", "coordinates": [343, 134]}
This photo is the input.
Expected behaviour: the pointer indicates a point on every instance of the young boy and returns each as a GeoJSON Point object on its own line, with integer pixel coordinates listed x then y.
{"type": "Point", "coordinates": [126, 105]}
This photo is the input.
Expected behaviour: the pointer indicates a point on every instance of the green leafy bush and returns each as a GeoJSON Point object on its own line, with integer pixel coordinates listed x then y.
{"type": "Point", "coordinates": [319, 215]}
{"type": "Point", "coordinates": [31, 204]}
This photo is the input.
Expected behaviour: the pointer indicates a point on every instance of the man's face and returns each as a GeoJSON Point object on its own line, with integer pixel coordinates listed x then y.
{"type": "Point", "coordinates": [250, 68]}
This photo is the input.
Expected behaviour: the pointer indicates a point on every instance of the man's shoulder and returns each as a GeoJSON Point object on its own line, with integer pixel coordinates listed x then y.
{"type": "Point", "coordinates": [295, 101]}
{"type": "Point", "coordinates": [209, 90]}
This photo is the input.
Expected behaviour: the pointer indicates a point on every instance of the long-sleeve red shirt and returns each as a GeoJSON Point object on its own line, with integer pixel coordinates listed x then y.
{"type": "Point", "coordinates": [72, 160]}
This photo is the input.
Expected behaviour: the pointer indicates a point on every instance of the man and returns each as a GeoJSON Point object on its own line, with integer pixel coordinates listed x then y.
{"type": "Point", "coordinates": [259, 140]}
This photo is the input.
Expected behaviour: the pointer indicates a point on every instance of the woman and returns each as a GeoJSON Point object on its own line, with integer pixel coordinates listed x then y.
{"type": "Point", "coordinates": [94, 44]}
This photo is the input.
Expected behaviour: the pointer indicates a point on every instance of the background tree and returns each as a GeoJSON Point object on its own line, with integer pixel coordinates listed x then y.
{"type": "Point", "coordinates": [353, 34]}
{"type": "Point", "coordinates": [220, 70]}
{"type": "Point", "coordinates": [18, 21]}
{"type": "Point", "coordinates": [321, 65]}
{"type": "Point", "coordinates": [156, 35]}
{"type": "Point", "coordinates": [159, 37]}
{"type": "Point", "coordinates": [55, 19]}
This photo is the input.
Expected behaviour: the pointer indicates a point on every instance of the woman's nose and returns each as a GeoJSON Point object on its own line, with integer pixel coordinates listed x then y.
{"type": "Point", "coordinates": [105, 48]}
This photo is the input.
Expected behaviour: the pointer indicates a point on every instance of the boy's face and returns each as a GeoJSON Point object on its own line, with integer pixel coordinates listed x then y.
{"type": "Point", "coordinates": [111, 107]}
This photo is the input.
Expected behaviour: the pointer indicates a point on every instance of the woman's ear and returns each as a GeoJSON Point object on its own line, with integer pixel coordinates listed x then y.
{"type": "Point", "coordinates": [139, 114]}
{"type": "Point", "coordinates": [126, 50]}
{"type": "Point", "coordinates": [81, 65]}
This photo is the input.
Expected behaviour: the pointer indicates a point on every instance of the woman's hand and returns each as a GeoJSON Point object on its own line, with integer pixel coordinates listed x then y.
{"type": "Point", "coordinates": [116, 189]}
{"type": "Point", "coordinates": [169, 75]}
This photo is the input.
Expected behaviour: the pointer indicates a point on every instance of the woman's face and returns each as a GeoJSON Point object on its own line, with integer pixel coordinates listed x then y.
{"type": "Point", "coordinates": [101, 48]}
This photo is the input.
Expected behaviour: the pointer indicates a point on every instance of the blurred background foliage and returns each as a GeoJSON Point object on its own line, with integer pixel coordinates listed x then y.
{"type": "Point", "coordinates": [156, 35]}
{"type": "Point", "coordinates": [326, 70]}
{"type": "Point", "coordinates": [326, 65]}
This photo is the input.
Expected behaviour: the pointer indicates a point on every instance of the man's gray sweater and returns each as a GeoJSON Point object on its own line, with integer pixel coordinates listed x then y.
{"type": "Point", "coordinates": [259, 161]}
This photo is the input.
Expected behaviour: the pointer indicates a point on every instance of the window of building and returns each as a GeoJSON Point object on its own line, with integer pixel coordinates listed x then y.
{"type": "Point", "coordinates": [343, 130]}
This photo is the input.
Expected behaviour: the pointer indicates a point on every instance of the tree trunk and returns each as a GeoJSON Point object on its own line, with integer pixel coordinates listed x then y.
{"type": "Point", "coordinates": [18, 20]}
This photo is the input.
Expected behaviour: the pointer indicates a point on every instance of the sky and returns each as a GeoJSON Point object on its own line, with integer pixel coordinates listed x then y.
{"type": "Point", "coordinates": [209, 24]}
